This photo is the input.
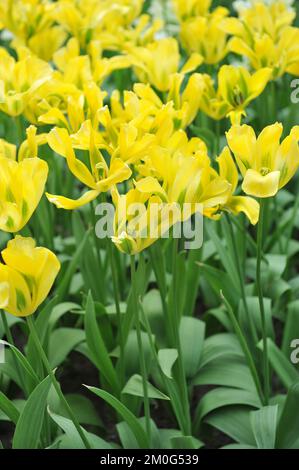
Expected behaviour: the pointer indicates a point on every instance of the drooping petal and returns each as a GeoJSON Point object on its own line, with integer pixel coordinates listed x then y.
{"type": "Point", "coordinates": [249, 206]}
{"type": "Point", "coordinates": [62, 202]}
{"type": "Point", "coordinates": [258, 185]}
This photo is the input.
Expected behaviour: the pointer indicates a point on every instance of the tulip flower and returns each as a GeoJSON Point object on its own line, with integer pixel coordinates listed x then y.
{"type": "Point", "coordinates": [159, 61]}
{"type": "Point", "coordinates": [21, 188]}
{"type": "Point", "coordinates": [263, 34]}
{"type": "Point", "coordinates": [236, 204]}
{"type": "Point", "coordinates": [19, 80]}
{"type": "Point", "coordinates": [203, 34]}
{"type": "Point", "coordinates": [236, 89]}
{"type": "Point", "coordinates": [27, 274]}
{"type": "Point", "coordinates": [180, 179]}
{"type": "Point", "coordinates": [188, 8]}
{"type": "Point", "coordinates": [33, 26]}
{"type": "Point", "coordinates": [99, 179]}
{"type": "Point", "coordinates": [265, 164]}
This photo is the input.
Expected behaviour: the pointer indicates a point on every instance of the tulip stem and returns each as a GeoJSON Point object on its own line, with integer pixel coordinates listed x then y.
{"type": "Point", "coordinates": [141, 352]}
{"type": "Point", "coordinates": [266, 370]}
{"type": "Point", "coordinates": [34, 335]}
{"type": "Point", "coordinates": [117, 306]}
{"type": "Point", "coordinates": [176, 323]}
{"type": "Point", "coordinates": [242, 281]}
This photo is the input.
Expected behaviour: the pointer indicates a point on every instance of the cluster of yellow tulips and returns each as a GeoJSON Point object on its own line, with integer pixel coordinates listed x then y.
{"type": "Point", "coordinates": [139, 136]}
{"type": "Point", "coordinates": [106, 86]}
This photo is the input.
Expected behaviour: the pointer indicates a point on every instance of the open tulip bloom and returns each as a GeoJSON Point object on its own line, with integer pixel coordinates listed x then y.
{"type": "Point", "coordinates": [149, 155]}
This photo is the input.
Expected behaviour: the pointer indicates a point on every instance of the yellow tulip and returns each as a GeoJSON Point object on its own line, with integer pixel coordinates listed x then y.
{"type": "Point", "coordinates": [19, 80]}
{"type": "Point", "coordinates": [159, 61]}
{"type": "Point", "coordinates": [99, 179]}
{"type": "Point", "coordinates": [236, 89]}
{"type": "Point", "coordinates": [188, 8]}
{"type": "Point", "coordinates": [21, 188]}
{"type": "Point", "coordinates": [33, 26]}
{"type": "Point", "coordinates": [86, 19]}
{"type": "Point", "coordinates": [236, 204]}
{"type": "Point", "coordinates": [26, 276]}
{"type": "Point", "coordinates": [260, 19]}
{"type": "Point", "coordinates": [183, 175]}
{"type": "Point", "coordinates": [202, 34]}
{"type": "Point", "coordinates": [81, 69]}
{"type": "Point", "coordinates": [263, 34]}
{"type": "Point", "coordinates": [185, 101]}
{"type": "Point", "coordinates": [266, 164]}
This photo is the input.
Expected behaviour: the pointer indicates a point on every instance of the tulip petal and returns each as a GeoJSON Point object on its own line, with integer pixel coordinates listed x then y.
{"type": "Point", "coordinates": [249, 206]}
{"type": "Point", "coordinates": [258, 185]}
{"type": "Point", "coordinates": [63, 202]}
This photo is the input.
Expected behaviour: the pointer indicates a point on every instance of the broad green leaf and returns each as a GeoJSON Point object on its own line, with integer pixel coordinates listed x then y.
{"type": "Point", "coordinates": [291, 329]}
{"type": "Point", "coordinates": [217, 346]}
{"type": "Point", "coordinates": [185, 442]}
{"type": "Point", "coordinates": [126, 414]}
{"type": "Point", "coordinates": [62, 342]}
{"type": "Point", "coordinates": [219, 281]}
{"type": "Point", "coordinates": [282, 366]}
{"type": "Point", "coordinates": [29, 425]}
{"type": "Point", "coordinates": [220, 397]}
{"type": "Point", "coordinates": [288, 426]}
{"type": "Point", "coordinates": [22, 361]}
{"type": "Point", "coordinates": [226, 371]}
{"type": "Point", "coordinates": [134, 387]}
{"type": "Point", "coordinates": [81, 406]}
{"type": "Point", "coordinates": [192, 333]}
{"type": "Point", "coordinates": [167, 358]}
{"type": "Point", "coordinates": [42, 325]}
{"type": "Point", "coordinates": [128, 440]}
{"type": "Point", "coordinates": [60, 310]}
{"type": "Point", "coordinates": [235, 422]}
{"type": "Point", "coordinates": [264, 423]}
{"type": "Point", "coordinates": [8, 408]}
{"type": "Point", "coordinates": [71, 439]}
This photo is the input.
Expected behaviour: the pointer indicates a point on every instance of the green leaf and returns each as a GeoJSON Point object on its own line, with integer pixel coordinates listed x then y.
{"type": "Point", "coordinates": [60, 310]}
{"type": "Point", "coordinates": [167, 358]}
{"type": "Point", "coordinates": [42, 325]}
{"type": "Point", "coordinates": [226, 371]}
{"type": "Point", "coordinates": [282, 366]}
{"type": "Point", "coordinates": [71, 439]}
{"type": "Point", "coordinates": [235, 422]}
{"type": "Point", "coordinates": [226, 257]}
{"type": "Point", "coordinates": [185, 442]}
{"type": "Point", "coordinates": [65, 279]}
{"type": "Point", "coordinates": [128, 439]}
{"type": "Point", "coordinates": [264, 423]}
{"type": "Point", "coordinates": [29, 425]}
{"type": "Point", "coordinates": [220, 345]}
{"type": "Point", "coordinates": [62, 342]}
{"type": "Point", "coordinates": [288, 426]}
{"type": "Point", "coordinates": [97, 347]}
{"type": "Point", "coordinates": [220, 397]}
{"type": "Point", "coordinates": [192, 333]}
{"type": "Point", "coordinates": [134, 387]}
{"type": "Point", "coordinates": [126, 414]}
{"type": "Point", "coordinates": [25, 366]}
{"type": "Point", "coordinates": [291, 329]}
{"type": "Point", "coordinates": [219, 281]}
{"type": "Point", "coordinates": [81, 406]}
{"type": "Point", "coordinates": [9, 408]}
